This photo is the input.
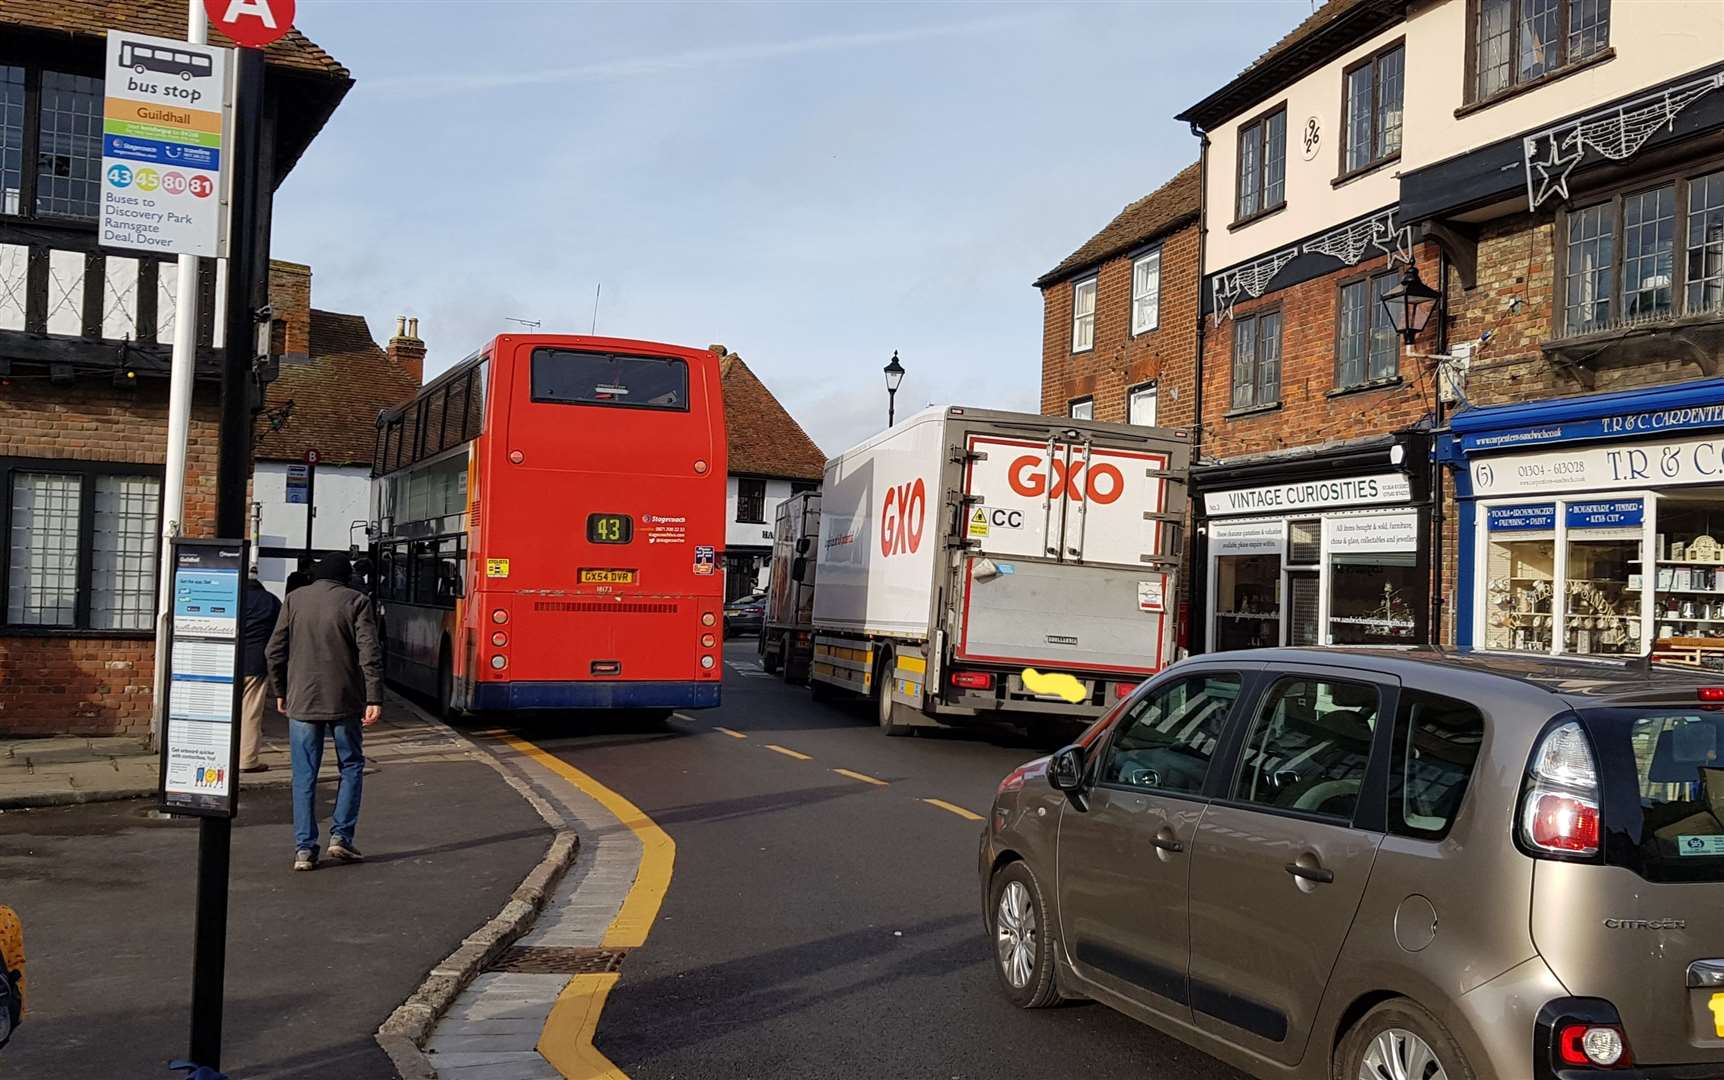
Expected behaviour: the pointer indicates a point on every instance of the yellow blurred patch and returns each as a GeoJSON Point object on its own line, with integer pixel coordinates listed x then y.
{"type": "Point", "coordinates": [1055, 684]}
{"type": "Point", "coordinates": [1717, 1006]}
{"type": "Point", "coordinates": [12, 947]}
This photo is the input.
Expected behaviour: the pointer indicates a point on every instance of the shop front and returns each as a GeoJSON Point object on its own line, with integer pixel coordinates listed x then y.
{"type": "Point", "coordinates": [1592, 526]}
{"type": "Point", "coordinates": [1321, 546]}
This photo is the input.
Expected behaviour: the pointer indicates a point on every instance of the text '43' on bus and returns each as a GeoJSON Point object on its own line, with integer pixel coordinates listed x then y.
{"type": "Point", "coordinates": [547, 522]}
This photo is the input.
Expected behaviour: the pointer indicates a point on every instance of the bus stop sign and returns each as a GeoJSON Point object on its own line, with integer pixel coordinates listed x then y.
{"type": "Point", "coordinates": [251, 23]}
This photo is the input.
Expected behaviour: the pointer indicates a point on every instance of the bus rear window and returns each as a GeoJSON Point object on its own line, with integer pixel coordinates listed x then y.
{"type": "Point", "coordinates": [1673, 762]}
{"type": "Point", "coordinates": [566, 377]}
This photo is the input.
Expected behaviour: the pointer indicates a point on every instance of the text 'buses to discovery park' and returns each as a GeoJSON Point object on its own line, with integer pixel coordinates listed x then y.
{"type": "Point", "coordinates": [547, 519]}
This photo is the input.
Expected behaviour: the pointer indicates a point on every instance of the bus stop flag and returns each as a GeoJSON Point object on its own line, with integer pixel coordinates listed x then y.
{"type": "Point", "coordinates": [162, 133]}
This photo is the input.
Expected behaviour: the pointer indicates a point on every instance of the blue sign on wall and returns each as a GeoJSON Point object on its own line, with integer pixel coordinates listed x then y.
{"type": "Point", "coordinates": [1525, 517]}
{"type": "Point", "coordinates": [1606, 514]}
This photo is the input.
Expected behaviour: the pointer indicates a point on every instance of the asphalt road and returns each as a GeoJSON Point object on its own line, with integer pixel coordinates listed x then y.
{"type": "Point", "coordinates": [818, 924]}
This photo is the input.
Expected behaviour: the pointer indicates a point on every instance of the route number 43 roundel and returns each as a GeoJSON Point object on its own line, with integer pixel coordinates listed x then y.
{"type": "Point", "coordinates": [251, 23]}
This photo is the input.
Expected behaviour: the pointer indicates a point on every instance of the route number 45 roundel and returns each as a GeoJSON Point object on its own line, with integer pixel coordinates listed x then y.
{"type": "Point", "coordinates": [251, 23]}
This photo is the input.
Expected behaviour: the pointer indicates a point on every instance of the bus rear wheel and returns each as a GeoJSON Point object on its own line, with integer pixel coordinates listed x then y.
{"type": "Point", "coordinates": [445, 685]}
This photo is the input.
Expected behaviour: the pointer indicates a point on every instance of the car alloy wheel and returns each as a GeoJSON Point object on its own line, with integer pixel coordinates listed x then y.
{"type": "Point", "coordinates": [1398, 1054]}
{"type": "Point", "coordinates": [1015, 935]}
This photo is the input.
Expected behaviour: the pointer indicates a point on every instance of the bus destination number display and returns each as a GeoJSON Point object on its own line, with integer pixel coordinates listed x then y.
{"type": "Point", "coordinates": [607, 577]}
{"type": "Point", "coordinates": [610, 528]}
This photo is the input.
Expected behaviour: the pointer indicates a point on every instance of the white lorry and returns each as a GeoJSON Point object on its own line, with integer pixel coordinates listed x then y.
{"type": "Point", "coordinates": [965, 551]}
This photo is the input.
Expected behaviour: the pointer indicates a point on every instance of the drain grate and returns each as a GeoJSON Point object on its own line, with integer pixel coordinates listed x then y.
{"type": "Point", "coordinates": [553, 960]}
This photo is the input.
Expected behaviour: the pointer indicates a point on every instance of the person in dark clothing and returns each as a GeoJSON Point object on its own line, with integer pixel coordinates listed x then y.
{"type": "Point", "coordinates": [326, 667]}
{"type": "Point", "coordinates": [259, 610]}
{"type": "Point", "coordinates": [299, 579]}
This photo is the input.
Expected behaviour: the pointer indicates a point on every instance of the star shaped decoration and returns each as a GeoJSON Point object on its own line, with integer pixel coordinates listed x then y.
{"type": "Point", "coordinates": [1554, 169]}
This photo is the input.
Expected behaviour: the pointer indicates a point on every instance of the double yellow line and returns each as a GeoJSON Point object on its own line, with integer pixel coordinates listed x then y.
{"type": "Point", "coordinates": [567, 1039]}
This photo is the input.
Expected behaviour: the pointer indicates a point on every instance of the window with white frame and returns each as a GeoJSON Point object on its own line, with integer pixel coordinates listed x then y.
{"type": "Point", "coordinates": [1082, 409]}
{"type": "Point", "coordinates": [1140, 405]}
{"type": "Point", "coordinates": [1146, 292]}
{"type": "Point", "coordinates": [1083, 315]}
{"type": "Point", "coordinates": [81, 548]}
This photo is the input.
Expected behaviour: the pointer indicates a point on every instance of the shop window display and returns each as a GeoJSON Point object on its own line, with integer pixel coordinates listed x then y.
{"type": "Point", "coordinates": [1601, 613]}
{"type": "Point", "coordinates": [1521, 577]}
{"type": "Point", "coordinates": [1248, 601]}
{"type": "Point", "coordinates": [1688, 598]}
{"type": "Point", "coordinates": [1371, 598]}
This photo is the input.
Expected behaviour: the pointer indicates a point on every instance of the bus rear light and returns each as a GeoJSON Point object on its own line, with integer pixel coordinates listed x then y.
{"type": "Point", "coordinates": [707, 618]}
{"type": "Point", "coordinates": [707, 641]}
{"type": "Point", "coordinates": [706, 662]}
{"type": "Point", "coordinates": [1123, 690]}
{"type": "Point", "coordinates": [517, 457]}
{"type": "Point", "coordinates": [700, 467]}
{"type": "Point", "coordinates": [1712, 695]}
{"type": "Point", "coordinates": [499, 639]}
{"type": "Point", "coordinates": [607, 667]}
{"type": "Point", "coordinates": [973, 680]}
{"type": "Point", "coordinates": [499, 662]}
{"type": "Point", "coordinates": [499, 616]}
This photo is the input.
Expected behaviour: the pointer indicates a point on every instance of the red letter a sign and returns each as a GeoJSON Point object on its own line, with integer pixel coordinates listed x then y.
{"type": "Point", "coordinates": [252, 23]}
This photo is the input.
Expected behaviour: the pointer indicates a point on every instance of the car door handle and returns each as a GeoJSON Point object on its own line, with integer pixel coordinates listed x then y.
{"type": "Point", "coordinates": [1310, 873]}
{"type": "Point", "coordinates": [1166, 842]}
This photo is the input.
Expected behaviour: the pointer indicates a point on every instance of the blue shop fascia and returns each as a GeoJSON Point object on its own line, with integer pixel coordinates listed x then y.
{"type": "Point", "coordinates": [1590, 525]}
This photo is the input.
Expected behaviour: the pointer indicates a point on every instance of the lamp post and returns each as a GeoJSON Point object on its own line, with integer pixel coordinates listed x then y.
{"type": "Point", "coordinates": [1410, 304]}
{"type": "Point", "coordinates": [894, 376]}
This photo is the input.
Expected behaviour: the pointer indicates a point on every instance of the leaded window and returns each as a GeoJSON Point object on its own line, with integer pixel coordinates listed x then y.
{"type": "Point", "coordinates": [1262, 165]}
{"type": "Point", "coordinates": [69, 157]}
{"type": "Point", "coordinates": [1373, 123]}
{"type": "Point", "coordinates": [1256, 359]}
{"type": "Point", "coordinates": [1516, 42]}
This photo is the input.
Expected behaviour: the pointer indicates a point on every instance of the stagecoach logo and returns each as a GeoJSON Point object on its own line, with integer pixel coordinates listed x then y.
{"type": "Point", "coordinates": [660, 519]}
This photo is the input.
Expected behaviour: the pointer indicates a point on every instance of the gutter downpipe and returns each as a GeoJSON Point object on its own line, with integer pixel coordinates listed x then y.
{"type": "Point", "coordinates": [1196, 629]}
{"type": "Point", "coordinates": [1438, 518]}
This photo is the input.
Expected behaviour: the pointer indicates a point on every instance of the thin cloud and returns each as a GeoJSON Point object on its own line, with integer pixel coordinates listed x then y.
{"type": "Point", "coordinates": [691, 59]}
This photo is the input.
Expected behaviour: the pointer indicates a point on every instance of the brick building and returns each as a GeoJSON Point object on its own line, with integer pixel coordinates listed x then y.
{"type": "Point", "coordinates": [1119, 323]}
{"type": "Point", "coordinates": [85, 336]}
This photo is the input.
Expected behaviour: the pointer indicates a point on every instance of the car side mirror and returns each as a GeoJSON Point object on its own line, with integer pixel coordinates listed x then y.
{"type": "Point", "coordinates": [1066, 775]}
{"type": "Point", "coordinates": [798, 568]}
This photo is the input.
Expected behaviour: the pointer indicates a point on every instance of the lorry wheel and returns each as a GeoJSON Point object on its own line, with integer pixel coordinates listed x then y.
{"type": "Point", "coordinates": [883, 697]}
{"type": "Point", "coordinates": [770, 659]}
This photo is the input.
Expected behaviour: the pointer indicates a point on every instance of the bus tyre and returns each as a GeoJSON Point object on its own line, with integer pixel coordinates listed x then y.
{"type": "Point", "coordinates": [883, 680]}
{"type": "Point", "coordinates": [445, 685]}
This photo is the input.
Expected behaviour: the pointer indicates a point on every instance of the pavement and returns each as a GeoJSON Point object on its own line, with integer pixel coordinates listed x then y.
{"type": "Point", "coordinates": [63, 769]}
{"type": "Point", "coordinates": [316, 962]}
{"type": "Point", "coordinates": [824, 915]}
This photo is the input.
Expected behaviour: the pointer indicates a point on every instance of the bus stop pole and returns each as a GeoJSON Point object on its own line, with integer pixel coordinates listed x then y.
{"type": "Point", "coordinates": [247, 252]}
{"type": "Point", "coordinates": [180, 380]}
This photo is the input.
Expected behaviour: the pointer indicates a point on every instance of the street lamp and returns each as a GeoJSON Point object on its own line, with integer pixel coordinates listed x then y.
{"type": "Point", "coordinates": [1410, 304]}
{"type": "Point", "coordinates": [894, 376]}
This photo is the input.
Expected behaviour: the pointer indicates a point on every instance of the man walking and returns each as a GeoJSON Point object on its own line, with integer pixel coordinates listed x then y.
{"type": "Point", "coordinates": [260, 610]}
{"type": "Point", "coordinates": [326, 666]}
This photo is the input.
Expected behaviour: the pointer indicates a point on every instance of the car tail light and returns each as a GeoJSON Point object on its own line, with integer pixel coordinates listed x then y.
{"type": "Point", "coordinates": [1123, 690]}
{"type": "Point", "coordinates": [1592, 1045]}
{"type": "Point", "coordinates": [973, 680]}
{"type": "Point", "coordinates": [1560, 810]}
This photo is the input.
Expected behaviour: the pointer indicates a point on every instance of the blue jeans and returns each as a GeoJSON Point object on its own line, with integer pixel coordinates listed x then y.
{"type": "Point", "coordinates": [307, 740]}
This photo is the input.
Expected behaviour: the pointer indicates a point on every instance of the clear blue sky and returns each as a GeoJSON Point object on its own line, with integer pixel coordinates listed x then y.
{"type": "Point", "coordinates": [813, 185]}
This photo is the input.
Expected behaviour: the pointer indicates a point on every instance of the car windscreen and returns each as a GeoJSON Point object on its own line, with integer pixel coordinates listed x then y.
{"type": "Point", "coordinates": [1663, 779]}
{"type": "Point", "coordinates": [568, 377]}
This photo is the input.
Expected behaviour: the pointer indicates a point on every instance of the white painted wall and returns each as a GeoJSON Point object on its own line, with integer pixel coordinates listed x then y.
{"type": "Point", "coordinates": [343, 497]}
{"type": "Point", "coordinates": [1653, 42]}
{"type": "Point", "coordinates": [740, 534]}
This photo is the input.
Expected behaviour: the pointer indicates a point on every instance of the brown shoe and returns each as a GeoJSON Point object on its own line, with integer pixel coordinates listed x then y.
{"type": "Point", "coordinates": [260, 767]}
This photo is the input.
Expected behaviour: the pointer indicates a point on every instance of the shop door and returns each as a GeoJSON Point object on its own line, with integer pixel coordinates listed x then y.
{"type": "Point", "coordinates": [1304, 603]}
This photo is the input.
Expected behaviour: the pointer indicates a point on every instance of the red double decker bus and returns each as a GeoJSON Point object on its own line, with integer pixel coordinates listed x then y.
{"type": "Point", "coordinates": [547, 524]}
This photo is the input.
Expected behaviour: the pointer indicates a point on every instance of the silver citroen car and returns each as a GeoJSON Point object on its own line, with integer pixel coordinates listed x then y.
{"type": "Point", "coordinates": [1367, 865]}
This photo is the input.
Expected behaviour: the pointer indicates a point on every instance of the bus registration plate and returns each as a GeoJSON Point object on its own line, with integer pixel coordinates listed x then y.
{"type": "Point", "coordinates": [607, 577]}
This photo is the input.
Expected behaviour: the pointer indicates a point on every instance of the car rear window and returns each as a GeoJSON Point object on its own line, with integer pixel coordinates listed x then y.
{"type": "Point", "coordinates": [1664, 790]}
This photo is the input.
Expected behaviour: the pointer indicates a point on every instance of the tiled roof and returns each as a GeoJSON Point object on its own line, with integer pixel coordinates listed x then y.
{"type": "Point", "coordinates": [164, 18]}
{"type": "Point", "coordinates": [336, 396]}
{"type": "Point", "coordinates": [764, 439]}
{"type": "Point", "coordinates": [1334, 27]}
{"type": "Point", "coordinates": [1168, 207]}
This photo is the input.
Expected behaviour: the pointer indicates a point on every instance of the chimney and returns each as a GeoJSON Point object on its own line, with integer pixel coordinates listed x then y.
{"type": "Point", "coordinates": [406, 350]}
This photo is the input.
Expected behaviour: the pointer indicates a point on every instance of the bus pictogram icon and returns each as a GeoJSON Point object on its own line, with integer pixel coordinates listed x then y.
{"type": "Point", "coordinates": [174, 183]}
{"type": "Point", "coordinates": [200, 186]}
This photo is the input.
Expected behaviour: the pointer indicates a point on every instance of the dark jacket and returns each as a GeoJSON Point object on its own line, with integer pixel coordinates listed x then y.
{"type": "Point", "coordinates": [324, 657]}
{"type": "Point", "coordinates": [259, 610]}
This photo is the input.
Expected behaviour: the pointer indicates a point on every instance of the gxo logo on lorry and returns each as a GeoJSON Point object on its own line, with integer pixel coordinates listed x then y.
{"type": "Point", "coordinates": [1099, 482]}
{"type": "Point", "coordinates": [902, 517]}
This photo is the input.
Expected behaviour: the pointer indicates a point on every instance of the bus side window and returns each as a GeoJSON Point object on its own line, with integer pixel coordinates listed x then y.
{"type": "Point", "coordinates": [451, 570]}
